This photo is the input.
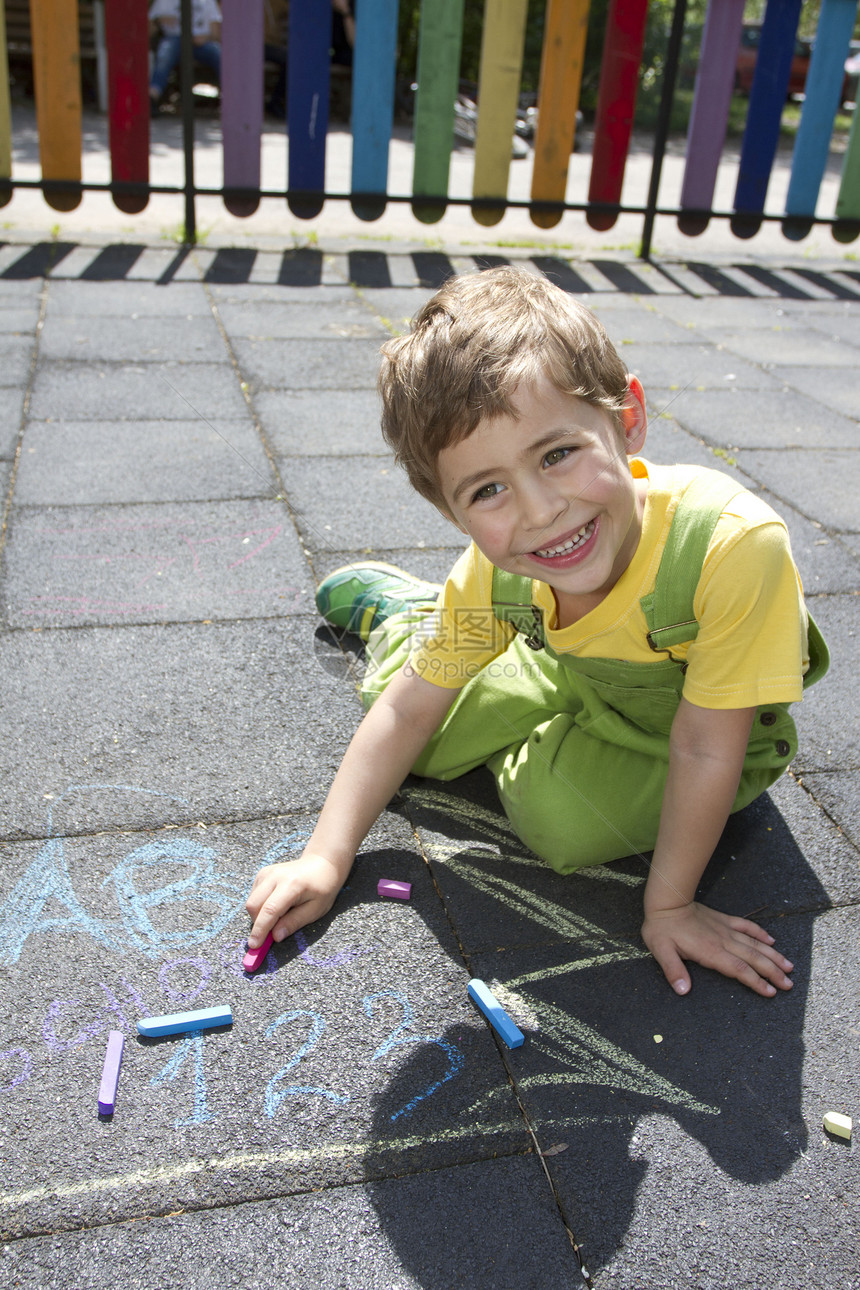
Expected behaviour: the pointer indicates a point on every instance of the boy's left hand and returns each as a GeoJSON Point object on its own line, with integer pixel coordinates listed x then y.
{"type": "Point", "coordinates": [734, 946]}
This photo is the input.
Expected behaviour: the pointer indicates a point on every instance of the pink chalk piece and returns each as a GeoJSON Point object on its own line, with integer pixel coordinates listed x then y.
{"type": "Point", "coordinates": [254, 958]}
{"type": "Point", "coordinates": [110, 1073]}
{"type": "Point", "coordinates": [396, 890]}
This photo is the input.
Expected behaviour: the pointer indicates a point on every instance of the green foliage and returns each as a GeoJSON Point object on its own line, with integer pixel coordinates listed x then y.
{"type": "Point", "coordinates": [653, 59]}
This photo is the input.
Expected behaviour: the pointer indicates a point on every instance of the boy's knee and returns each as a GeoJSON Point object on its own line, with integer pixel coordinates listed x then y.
{"type": "Point", "coordinates": [575, 801]}
{"type": "Point", "coordinates": [537, 797]}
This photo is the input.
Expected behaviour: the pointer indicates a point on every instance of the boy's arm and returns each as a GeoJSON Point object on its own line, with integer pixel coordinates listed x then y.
{"type": "Point", "coordinates": [706, 754]}
{"type": "Point", "coordinates": [380, 755]}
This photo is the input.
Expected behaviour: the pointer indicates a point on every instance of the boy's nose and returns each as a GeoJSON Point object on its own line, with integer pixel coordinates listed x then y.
{"type": "Point", "coordinates": [541, 508]}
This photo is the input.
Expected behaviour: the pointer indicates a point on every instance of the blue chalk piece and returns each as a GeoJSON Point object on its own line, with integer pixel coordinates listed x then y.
{"type": "Point", "coordinates": [177, 1023]}
{"type": "Point", "coordinates": [495, 1013]}
{"type": "Point", "coordinates": [110, 1072]}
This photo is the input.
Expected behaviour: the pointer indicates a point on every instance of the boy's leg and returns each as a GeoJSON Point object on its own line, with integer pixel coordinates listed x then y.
{"type": "Point", "coordinates": [579, 799]}
{"type": "Point", "coordinates": [573, 798]}
{"type": "Point", "coordinates": [496, 711]}
{"type": "Point", "coordinates": [576, 800]}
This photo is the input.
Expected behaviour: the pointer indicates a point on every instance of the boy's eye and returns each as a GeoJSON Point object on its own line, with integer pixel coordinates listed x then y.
{"type": "Point", "coordinates": [486, 491]}
{"type": "Point", "coordinates": [555, 455]}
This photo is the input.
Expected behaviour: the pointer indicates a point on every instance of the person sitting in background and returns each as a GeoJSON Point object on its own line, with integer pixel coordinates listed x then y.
{"type": "Point", "coordinates": [205, 34]}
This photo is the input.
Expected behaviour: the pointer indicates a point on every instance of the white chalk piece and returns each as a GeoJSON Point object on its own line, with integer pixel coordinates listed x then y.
{"type": "Point", "coordinates": [177, 1023]}
{"type": "Point", "coordinates": [110, 1072]}
{"type": "Point", "coordinates": [841, 1125]}
{"type": "Point", "coordinates": [495, 1013]}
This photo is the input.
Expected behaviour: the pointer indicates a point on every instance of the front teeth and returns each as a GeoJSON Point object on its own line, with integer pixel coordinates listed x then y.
{"type": "Point", "coordinates": [570, 545]}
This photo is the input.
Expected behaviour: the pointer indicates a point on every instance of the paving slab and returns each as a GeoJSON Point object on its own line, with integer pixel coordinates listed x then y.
{"type": "Point", "coordinates": [695, 366]}
{"type": "Point", "coordinates": [11, 412]}
{"type": "Point", "coordinates": [308, 364]}
{"type": "Point", "coordinates": [809, 487]}
{"type": "Point", "coordinates": [837, 793]}
{"type": "Point", "coordinates": [658, 1102]}
{"type": "Point", "coordinates": [783, 344]}
{"type": "Point", "coordinates": [19, 319]}
{"type": "Point", "coordinates": [166, 563]}
{"type": "Point", "coordinates": [16, 356]}
{"type": "Point", "coordinates": [315, 316]}
{"type": "Point", "coordinates": [771, 419]}
{"type": "Point", "coordinates": [299, 273]}
{"type": "Point", "coordinates": [365, 503]}
{"type": "Point", "coordinates": [110, 460]}
{"type": "Point", "coordinates": [632, 323]}
{"type": "Point", "coordinates": [229, 716]}
{"type": "Point", "coordinates": [127, 298]}
{"type": "Point", "coordinates": [429, 1231]}
{"type": "Point", "coordinates": [321, 423]}
{"type": "Point", "coordinates": [840, 395]}
{"type": "Point", "coordinates": [103, 391]}
{"type": "Point", "coordinates": [135, 338]}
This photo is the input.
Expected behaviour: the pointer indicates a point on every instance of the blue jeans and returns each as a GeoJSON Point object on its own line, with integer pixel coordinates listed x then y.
{"type": "Point", "coordinates": [167, 57]}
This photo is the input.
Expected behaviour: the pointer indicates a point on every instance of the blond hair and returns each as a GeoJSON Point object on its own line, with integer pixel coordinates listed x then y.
{"type": "Point", "coordinates": [470, 346]}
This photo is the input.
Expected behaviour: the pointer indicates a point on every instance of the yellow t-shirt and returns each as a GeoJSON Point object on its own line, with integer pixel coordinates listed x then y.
{"type": "Point", "coordinates": [751, 647]}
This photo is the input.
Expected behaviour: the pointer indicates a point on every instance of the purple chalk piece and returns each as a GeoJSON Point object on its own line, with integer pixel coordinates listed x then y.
{"type": "Point", "coordinates": [254, 958]}
{"type": "Point", "coordinates": [396, 890]}
{"type": "Point", "coordinates": [110, 1073]}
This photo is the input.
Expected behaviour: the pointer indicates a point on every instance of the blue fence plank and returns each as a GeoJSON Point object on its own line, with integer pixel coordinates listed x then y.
{"type": "Point", "coordinates": [373, 67]}
{"type": "Point", "coordinates": [767, 100]}
{"type": "Point", "coordinates": [823, 94]}
{"type": "Point", "coordinates": [307, 104]}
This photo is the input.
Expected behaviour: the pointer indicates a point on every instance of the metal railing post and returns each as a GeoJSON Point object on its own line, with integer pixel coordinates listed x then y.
{"type": "Point", "coordinates": [186, 84]}
{"type": "Point", "coordinates": [664, 120]}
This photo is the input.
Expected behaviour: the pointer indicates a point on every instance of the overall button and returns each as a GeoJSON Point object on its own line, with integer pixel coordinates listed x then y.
{"type": "Point", "coordinates": [768, 718]}
{"type": "Point", "coordinates": [782, 748]}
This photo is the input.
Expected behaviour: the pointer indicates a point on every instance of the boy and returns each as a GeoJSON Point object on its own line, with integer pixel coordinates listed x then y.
{"type": "Point", "coordinates": [619, 643]}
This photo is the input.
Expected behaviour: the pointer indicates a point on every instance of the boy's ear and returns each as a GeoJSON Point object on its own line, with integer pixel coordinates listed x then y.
{"type": "Point", "coordinates": [634, 418]}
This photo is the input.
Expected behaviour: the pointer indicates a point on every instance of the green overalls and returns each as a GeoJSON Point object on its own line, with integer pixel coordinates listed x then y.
{"type": "Point", "coordinates": [579, 746]}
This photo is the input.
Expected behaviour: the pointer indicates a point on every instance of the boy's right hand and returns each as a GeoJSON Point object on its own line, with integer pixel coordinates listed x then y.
{"type": "Point", "coordinates": [288, 895]}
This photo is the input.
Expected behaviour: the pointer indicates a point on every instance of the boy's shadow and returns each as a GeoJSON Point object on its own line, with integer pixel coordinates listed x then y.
{"type": "Point", "coordinates": [610, 1051]}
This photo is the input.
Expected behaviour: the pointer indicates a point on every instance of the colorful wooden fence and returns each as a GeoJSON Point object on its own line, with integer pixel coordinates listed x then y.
{"type": "Point", "coordinates": [58, 104]}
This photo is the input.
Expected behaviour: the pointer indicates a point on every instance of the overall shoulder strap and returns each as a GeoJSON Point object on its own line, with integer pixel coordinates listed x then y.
{"type": "Point", "coordinates": [668, 608]}
{"type": "Point", "coordinates": [512, 603]}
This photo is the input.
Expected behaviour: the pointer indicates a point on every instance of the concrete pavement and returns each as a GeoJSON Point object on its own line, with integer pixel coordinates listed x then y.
{"type": "Point", "coordinates": [189, 441]}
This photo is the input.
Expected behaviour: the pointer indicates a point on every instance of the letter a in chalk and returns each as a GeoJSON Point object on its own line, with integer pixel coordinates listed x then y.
{"type": "Point", "coordinates": [22, 912]}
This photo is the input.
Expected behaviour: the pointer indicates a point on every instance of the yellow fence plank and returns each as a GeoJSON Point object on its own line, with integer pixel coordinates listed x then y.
{"type": "Point", "coordinates": [57, 79]}
{"type": "Point", "coordinates": [498, 92]}
{"type": "Point", "coordinates": [558, 99]}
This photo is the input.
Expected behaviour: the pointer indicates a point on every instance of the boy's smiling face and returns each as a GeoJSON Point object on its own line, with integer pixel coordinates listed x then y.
{"type": "Point", "coordinates": [548, 492]}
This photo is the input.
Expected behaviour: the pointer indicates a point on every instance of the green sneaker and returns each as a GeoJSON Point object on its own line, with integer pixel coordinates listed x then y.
{"type": "Point", "coordinates": [359, 597]}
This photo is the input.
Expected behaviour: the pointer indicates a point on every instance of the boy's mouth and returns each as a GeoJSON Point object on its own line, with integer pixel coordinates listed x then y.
{"type": "Point", "coordinates": [569, 545]}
